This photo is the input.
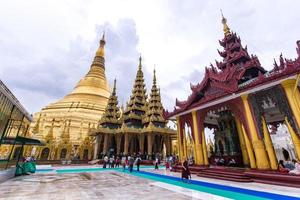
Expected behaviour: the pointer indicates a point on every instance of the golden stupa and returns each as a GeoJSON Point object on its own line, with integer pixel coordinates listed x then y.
{"type": "Point", "coordinates": [64, 125]}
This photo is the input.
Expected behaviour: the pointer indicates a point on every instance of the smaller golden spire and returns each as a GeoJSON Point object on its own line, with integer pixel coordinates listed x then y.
{"type": "Point", "coordinates": [114, 88]}
{"type": "Point", "coordinates": [140, 62]}
{"type": "Point", "coordinates": [154, 77]}
{"type": "Point", "coordinates": [100, 51]}
{"type": "Point", "coordinates": [226, 29]}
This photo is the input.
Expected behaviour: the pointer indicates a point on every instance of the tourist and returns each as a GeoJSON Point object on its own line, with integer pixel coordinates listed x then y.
{"type": "Point", "coordinates": [282, 168]}
{"type": "Point", "coordinates": [117, 162]}
{"type": "Point", "coordinates": [105, 161]}
{"type": "Point", "coordinates": [295, 171]}
{"type": "Point", "coordinates": [156, 163]}
{"type": "Point", "coordinates": [171, 162]}
{"type": "Point", "coordinates": [221, 161]}
{"type": "Point", "coordinates": [232, 162]}
{"type": "Point", "coordinates": [111, 162]}
{"type": "Point", "coordinates": [131, 162]}
{"type": "Point", "coordinates": [167, 165]}
{"type": "Point", "coordinates": [138, 162]}
{"type": "Point", "coordinates": [185, 174]}
{"type": "Point", "coordinates": [123, 162]}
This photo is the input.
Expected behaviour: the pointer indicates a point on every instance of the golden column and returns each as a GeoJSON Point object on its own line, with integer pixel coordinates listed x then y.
{"type": "Point", "coordinates": [179, 138]}
{"type": "Point", "coordinates": [295, 138]}
{"type": "Point", "coordinates": [105, 144]}
{"type": "Point", "coordinates": [249, 149]}
{"type": "Point", "coordinates": [242, 142]}
{"type": "Point", "coordinates": [269, 145]}
{"type": "Point", "coordinates": [292, 95]}
{"type": "Point", "coordinates": [262, 161]}
{"type": "Point", "coordinates": [126, 143]}
{"type": "Point", "coordinates": [198, 147]}
{"type": "Point", "coordinates": [204, 147]}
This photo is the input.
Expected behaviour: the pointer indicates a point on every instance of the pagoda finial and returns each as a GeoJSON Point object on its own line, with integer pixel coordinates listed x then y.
{"type": "Point", "coordinates": [226, 29]}
{"type": "Point", "coordinates": [154, 76]}
{"type": "Point", "coordinates": [100, 51]}
{"type": "Point", "coordinates": [114, 88]}
{"type": "Point", "coordinates": [140, 62]}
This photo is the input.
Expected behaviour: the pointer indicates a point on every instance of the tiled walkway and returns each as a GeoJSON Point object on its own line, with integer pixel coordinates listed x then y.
{"type": "Point", "coordinates": [104, 185]}
{"type": "Point", "coordinates": [114, 185]}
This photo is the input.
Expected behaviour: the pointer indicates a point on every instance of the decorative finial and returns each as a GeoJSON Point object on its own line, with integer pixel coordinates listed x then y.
{"type": "Point", "coordinates": [154, 76]}
{"type": "Point", "coordinates": [100, 51]}
{"type": "Point", "coordinates": [226, 29]}
{"type": "Point", "coordinates": [140, 62]}
{"type": "Point", "coordinates": [114, 88]}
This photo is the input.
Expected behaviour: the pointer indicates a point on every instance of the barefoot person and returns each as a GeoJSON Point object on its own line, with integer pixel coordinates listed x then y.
{"type": "Point", "coordinates": [185, 174]}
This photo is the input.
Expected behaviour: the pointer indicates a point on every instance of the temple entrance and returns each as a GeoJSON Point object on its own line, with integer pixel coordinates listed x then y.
{"type": "Point", "coordinates": [63, 154]}
{"type": "Point", "coordinates": [85, 154]}
{"type": "Point", "coordinates": [189, 142]}
{"type": "Point", "coordinates": [17, 152]}
{"type": "Point", "coordinates": [112, 146]}
{"type": "Point", "coordinates": [145, 145]}
{"type": "Point", "coordinates": [277, 129]}
{"type": "Point", "coordinates": [222, 139]}
{"type": "Point", "coordinates": [134, 146]}
{"type": "Point", "coordinates": [122, 141]}
{"type": "Point", "coordinates": [45, 154]}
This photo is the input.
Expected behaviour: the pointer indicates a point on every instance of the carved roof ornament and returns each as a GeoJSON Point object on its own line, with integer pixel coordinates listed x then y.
{"type": "Point", "coordinates": [111, 116]}
{"type": "Point", "coordinates": [226, 29]}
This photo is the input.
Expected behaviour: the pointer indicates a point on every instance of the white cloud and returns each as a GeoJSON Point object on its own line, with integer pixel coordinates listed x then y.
{"type": "Point", "coordinates": [44, 43]}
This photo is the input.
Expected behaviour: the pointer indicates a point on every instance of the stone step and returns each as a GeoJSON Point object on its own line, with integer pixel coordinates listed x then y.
{"type": "Point", "coordinates": [217, 176]}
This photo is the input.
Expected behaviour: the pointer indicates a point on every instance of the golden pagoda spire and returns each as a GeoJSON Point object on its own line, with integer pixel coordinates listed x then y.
{"type": "Point", "coordinates": [100, 51]}
{"type": "Point", "coordinates": [226, 29]}
{"type": "Point", "coordinates": [154, 77]}
{"type": "Point", "coordinates": [99, 59]}
{"type": "Point", "coordinates": [136, 107]}
{"type": "Point", "coordinates": [154, 113]}
{"type": "Point", "coordinates": [110, 117]}
{"type": "Point", "coordinates": [140, 62]}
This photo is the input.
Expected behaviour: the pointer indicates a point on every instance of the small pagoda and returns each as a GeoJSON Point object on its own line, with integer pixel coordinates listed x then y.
{"type": "Point", "coordinates": [140, 128]}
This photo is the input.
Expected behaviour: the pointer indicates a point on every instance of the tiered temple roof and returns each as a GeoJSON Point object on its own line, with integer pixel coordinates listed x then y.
{"type": "Point", "coordinates": [140, 115]}
{"type": "Point", "coordinates": [237, 72]}
{"type": "Point", "coordinates": [137, 105]}
{"type": "Point", "coordinates": [154, 112]}
{"type": "Point", "coordinates": [110, 118]}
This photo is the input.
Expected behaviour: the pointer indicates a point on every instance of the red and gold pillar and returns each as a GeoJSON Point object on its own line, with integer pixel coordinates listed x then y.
{"type": "Point", "coordinates": [269, 145]}
{"type": "Point", "coordinates": [198, 146]}
{"type": "Point", "coordinates": [242, 142]}
{"type": "Point", "coordinates": [262, 161]}
{"type": "Point", "coordinates": [292, 95]}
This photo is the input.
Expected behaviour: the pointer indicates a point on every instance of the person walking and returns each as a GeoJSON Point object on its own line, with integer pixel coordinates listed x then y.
{"type": "Point", "coordinates": [123, 162]}
{"type": "Point", "coordinates": [185, 174]}
{"type": "Point", "coordinates": [131, 162]}
{"type": "Point", "coordinates": [138, 162]}
{"type": "Point", "coordinates": [105, 161]}
{"type": "Point", "coordinates": [156, 163]}
{"type": "Point", "coordinates": [117, 162]}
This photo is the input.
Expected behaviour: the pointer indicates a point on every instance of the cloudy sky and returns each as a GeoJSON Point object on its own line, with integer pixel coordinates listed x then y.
{"type": "Point", "coordinates": [47, 46]}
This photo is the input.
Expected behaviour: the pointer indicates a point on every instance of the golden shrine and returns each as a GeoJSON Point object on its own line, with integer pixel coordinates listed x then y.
{"type": "Point", "coordinates": [239, 100]}
{"type": "Point", "coordinates": [65, 124]}
{"type": "Point", "coordinates": [139, 129]}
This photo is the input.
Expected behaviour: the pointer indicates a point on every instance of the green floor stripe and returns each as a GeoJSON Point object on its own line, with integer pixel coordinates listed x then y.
{"type": "Point", "coordinates": [218, 192]}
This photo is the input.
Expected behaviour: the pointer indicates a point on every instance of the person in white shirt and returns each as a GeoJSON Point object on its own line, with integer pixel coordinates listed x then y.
{"type": "Point", "coordinates": [295, 171]}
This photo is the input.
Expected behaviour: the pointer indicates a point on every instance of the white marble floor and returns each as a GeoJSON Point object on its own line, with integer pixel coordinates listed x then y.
{"type": "Point", "coordinates": [114, 185]}
{"type": "Point", "coordinates": [104, 185]}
